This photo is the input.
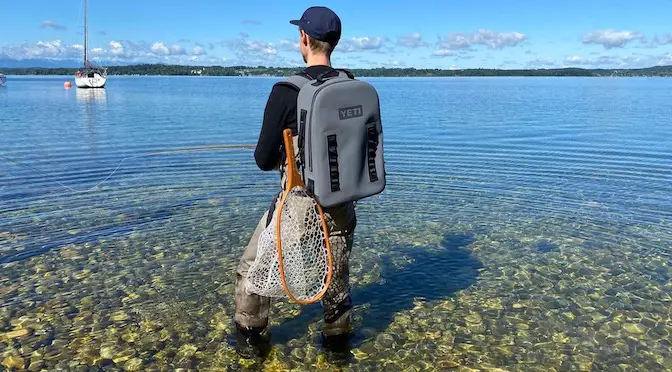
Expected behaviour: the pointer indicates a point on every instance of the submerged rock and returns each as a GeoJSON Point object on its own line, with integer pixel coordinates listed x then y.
{"type": "Point", "coordinates": [134, 364]}
{"type": "Point", "coordinates": [634, 328]}
{"type": "Point", "coordinates": [474, 318]}
{"type": "Point", "coordinates": [14, 361]}
{"type": "Point", "coordinates": [15, 334]}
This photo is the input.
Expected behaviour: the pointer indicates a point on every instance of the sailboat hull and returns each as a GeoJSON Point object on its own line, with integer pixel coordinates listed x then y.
{"type": "Point", "coordinates": [97, 81]}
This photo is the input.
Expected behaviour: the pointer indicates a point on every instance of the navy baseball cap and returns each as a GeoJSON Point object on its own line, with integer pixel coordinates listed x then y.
{"type": "Point", "coordinates": [320, 23]}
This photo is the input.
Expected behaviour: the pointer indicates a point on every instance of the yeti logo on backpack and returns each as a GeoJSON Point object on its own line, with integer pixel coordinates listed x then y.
{"type": "Point", "coordinates": [350, 112]}
{"type": "Point", "coordinates": [340, 137]}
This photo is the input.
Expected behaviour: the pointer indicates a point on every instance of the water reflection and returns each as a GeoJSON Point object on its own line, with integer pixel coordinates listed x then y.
{"type": "Point", "coordinates": [91, 95]}
{"type": "Point", "coordinates": [92, 100]}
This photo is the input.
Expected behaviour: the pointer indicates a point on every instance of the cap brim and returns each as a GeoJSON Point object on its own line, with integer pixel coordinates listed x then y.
{"type": "Point", "coordinates": [294, 22]}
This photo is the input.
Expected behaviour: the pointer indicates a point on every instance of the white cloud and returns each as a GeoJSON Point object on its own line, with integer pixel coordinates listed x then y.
{"type": "Point", "coordinates": [609, 61]}
{"type": "Point", "coordinates": [662, 40]}
{"type": "Point", "coordinates": [602, 61]}
{"type": "Point", "coordinates": [53, 25]}
{"type": "Point", "coordinates": [54, 44]}
{"type": "Point", "coordinates": [487, 38]}
{"type": "Point", "coordinates": [54, 49]}
{"type": "Point", "coordinates": [610, 38]}
{"type": "Point", "coordinates": [136, 47]}
{"type": "Point", "coordinates": [113, 51]}
{"type": "Point", "coordinates": [443, 53]}
{"type": "Point", "coordinates": [357, 44]}
{"type": "Point", "coordinates": [253, 52]}
{"type": "Point", "coordinates": [261, 47]}
{"type": "Point", "coordinates": [46, 49]}
{"type": "Point", "coordinates": [242, 45]}
{"type": "Point", "coordinates": [395, 63]}
{"type": "Point", "coordinates": [176, 50]}
{"type": "Point", "coordinates": [116, 49]}
{"type": "Point", "coordinates": [412, 41]}
{"type": "Point", "coordinates": [246, 51]}
{"type": "Point", "coordinates": [289, 45]}
{"type": "Point", "coordinates": [160, 49]}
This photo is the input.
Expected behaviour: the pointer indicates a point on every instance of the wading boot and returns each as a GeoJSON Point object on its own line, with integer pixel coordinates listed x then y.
{"type": "Point", "coordinates": [336, 339]}
{"type": "Point", "coordinates": [252, 342]}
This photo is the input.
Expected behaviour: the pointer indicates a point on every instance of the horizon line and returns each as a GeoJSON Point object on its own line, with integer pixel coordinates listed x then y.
{"type": "Point", "coordinates": [351, 68]}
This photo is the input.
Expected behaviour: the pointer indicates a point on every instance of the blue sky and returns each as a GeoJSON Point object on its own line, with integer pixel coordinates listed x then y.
{"type": "Point", "coordinates": [420, 33]}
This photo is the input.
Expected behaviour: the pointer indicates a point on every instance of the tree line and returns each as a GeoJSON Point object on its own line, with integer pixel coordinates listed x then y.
{"type": "Point", "coordinates": [179, 70]}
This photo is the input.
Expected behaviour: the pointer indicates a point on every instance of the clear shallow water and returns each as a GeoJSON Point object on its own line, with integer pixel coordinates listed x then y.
{"type": "Point", "coordinates": [527, 223]}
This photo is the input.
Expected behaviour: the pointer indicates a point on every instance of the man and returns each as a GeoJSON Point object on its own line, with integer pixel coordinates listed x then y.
{"type": "Point", "coordinates": [320, 31]}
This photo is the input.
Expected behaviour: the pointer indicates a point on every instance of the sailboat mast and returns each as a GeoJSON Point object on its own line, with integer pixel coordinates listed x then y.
{"type": "Point", "coordinates": [86, 37]}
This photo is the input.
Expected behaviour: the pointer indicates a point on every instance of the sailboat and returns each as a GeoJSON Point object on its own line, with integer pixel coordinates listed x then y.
{"type": "Point", "coordinates": [91, 76]}
{"type": "Point", "coordinates": [3, 78]}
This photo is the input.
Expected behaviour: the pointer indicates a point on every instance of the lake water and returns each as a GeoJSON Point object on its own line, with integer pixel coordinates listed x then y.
{"type": "Point", "coordinates": [527, 225]}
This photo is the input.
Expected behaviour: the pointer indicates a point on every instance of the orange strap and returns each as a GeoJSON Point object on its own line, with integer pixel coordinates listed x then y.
{"type": "Point", "coordinates": [294, 180]}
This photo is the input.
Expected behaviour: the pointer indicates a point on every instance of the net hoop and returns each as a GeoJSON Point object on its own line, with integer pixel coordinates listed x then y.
{"type": "Point", "coordinates": [280, 259]}
{"type": "Point", "coordinates": [294, 180]}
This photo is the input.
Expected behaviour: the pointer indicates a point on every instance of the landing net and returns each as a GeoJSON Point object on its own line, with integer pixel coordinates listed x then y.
{"type": "Point", "coordinates": [305, 259]}
{"type": "Point", "coordinates": [293, 252]}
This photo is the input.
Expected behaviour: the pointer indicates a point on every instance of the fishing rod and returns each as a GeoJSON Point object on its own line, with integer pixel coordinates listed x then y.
{"type": "Point", "coordinates": [141, 155]}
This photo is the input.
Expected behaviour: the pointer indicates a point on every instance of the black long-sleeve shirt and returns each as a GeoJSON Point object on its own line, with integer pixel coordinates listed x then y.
{"type": "Point", "coordinates": [280, 114]}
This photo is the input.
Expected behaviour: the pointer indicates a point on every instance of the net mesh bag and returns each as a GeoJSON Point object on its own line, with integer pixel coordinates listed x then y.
{"type": "Point", "coordinates": [305, 256]}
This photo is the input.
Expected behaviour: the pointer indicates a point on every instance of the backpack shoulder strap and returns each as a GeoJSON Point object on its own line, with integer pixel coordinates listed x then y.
{"type": "Point", "coordinates": [296, 81]}
{"type": "Point", "coordinates": [343, 72]}
{"type": "Point", "coordinates": [333, 73]}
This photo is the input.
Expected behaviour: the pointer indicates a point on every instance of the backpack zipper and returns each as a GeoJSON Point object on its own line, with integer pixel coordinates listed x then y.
{"type": "Point", "coordinates": [312, 104]}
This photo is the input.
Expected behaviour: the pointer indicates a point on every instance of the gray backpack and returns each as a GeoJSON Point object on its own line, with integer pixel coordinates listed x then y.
{"type": "Point", "coordinates": [340, 141]}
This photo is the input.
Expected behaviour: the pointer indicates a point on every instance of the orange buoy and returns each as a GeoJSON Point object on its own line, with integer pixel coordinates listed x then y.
{"type": "Point", "coordinates": [67, 85]}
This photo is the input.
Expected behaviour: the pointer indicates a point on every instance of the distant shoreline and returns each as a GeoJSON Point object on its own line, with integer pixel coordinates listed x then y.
{"type": "Point", "coordinates": [179, 70]}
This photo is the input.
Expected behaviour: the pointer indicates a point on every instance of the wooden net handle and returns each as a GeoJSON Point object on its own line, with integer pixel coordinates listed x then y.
{"type": "Point", "coordinates": [294, 180]}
